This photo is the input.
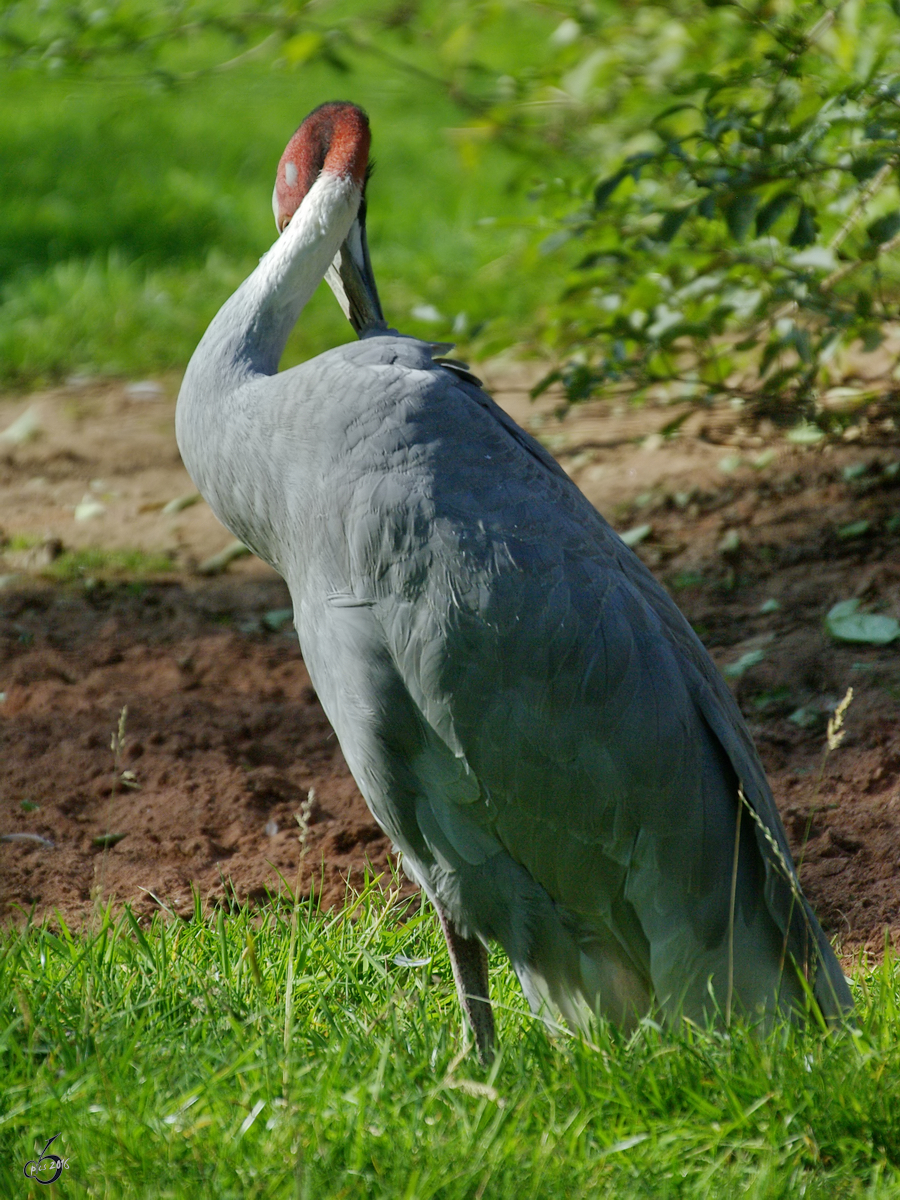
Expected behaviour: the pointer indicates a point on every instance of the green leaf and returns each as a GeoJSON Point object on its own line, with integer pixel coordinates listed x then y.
{"type": "Point", "coordinates": [606, 187]}
{"type": "Point", "coordinates": [675, 424]}
{"type": "Point", "coordinates": [854, 530]}
{"type": "Point", "coordinates": [737, 668]}
{"type": "Point", "coordinates": [105, 841]}
{"type": "Point", "coordinates": [806, 229]}
{"type": "Point", "coordinates": [846, 624]}
{"type": "Point", "coordinates": [804, 434]}
{"type": "Point", "coordinates": [275, 618]}
{"type": "Point", "coordinates": [672, 109]}
{"type": "Point", "coordinates": [300, 49]}
{"type": "Point", "coordinates": [772, 210]}
{"type": "Point", "coordinates": [548, 381]}
{"type": "Point", "coordinates": [865, 168]}
{"type": "Point", "coordinates": [843, 608]}
{"type": "Point", "coordinates": [631, 537]}
{"type": "Point", "coordinates": [806, 717]}
{"type": "Point", "coordinates": [707, 206]}
{"type": "Point", "coordinates": [885, 227]}
{"type": "Point", "coordinates": [739, 211]}
{"type": "Point", "coordinates": [672, 222]}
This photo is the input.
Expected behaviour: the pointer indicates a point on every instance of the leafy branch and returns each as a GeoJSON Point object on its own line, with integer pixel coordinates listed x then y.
{"type": "Point", "coordinates": [753, 242]}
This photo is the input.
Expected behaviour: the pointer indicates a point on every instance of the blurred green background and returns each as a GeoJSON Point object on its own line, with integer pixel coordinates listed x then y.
{"type": "Point", "coordinates": [131, 207]}
{"type": "Point", "coordinates": [700, 196]}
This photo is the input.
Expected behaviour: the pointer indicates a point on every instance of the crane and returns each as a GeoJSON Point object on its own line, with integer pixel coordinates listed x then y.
{"type": "Point", "coordinates": [527, 714]}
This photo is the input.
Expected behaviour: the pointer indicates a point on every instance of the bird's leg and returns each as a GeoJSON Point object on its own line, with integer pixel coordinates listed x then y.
{"type": "Point", "coordinates": [468, 958]}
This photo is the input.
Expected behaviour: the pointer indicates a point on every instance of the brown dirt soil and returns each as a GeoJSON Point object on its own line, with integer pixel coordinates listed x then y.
{"type": "Point", "coordinates": [225, 740]}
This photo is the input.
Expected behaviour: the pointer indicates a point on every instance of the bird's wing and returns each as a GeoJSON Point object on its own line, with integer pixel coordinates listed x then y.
{"type": "Point", "coordinates": [543, 653]}
{"type": "Point", "coordinates": [543, 656]}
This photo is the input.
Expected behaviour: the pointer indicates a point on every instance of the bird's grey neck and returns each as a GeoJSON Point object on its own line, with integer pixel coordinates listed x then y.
{"type": "Point", "coordinates": [248, 335]}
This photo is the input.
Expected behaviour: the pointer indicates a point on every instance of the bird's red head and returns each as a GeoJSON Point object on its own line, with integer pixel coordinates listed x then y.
{"type": "Point", "coordinates": [335, 138]}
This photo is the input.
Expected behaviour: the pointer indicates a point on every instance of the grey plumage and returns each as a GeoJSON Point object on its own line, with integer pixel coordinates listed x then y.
{"type": "Point", "coordinates": [526, 712]}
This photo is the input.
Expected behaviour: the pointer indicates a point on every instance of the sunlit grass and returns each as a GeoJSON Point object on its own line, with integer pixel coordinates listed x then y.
{"type": "Point", "coordinates": [106, 315]}
{"type": "Point", "coordinates": [21, 541]}
{"type": "Point", "coordinates": [158, 1054]}
{"type": "Point", "coordinates": [97, 563]}
{"type": "Point", "coordinates": [130, 212]}
{"type": "Point", "coordinates": [94, 564]}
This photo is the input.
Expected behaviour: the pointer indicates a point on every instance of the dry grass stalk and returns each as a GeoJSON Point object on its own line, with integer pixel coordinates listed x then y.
{"type": "Point", "coordinates": [836, 732]}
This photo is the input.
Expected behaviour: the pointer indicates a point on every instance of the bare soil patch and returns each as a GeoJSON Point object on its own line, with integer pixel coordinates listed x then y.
{"type": "Point", "coordinates": [224, 738]}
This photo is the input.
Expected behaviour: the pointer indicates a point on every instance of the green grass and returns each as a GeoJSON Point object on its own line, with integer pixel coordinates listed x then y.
{"type": "Point", "coordinates": [97, 563]}
{"type": "Point", "coordinates": [21, 541]}
{"type": "Point", "coordinates": [171, 1064]}
{"type": "Point", "coordinates": [130, 212]}
{"type": "Point", "coordinates": [94, 564]}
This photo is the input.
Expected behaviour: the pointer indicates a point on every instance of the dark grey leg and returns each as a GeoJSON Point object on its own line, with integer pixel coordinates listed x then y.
{"type": "Point", "coordinates": [468, 958]}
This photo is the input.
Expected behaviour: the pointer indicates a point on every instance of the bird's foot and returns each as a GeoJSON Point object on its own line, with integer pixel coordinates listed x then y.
{"type": "Point", "coordinates": [468, 958]}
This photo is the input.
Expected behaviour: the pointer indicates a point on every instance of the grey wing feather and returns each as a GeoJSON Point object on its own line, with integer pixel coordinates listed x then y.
{"type": "Point", "coordinates": [790, 909]}
{"type": "Point", "coordinates": [536, 650]}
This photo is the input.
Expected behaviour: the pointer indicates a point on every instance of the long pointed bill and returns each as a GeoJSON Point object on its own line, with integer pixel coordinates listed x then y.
{"type": "Point", "coordinates": [352, 280]}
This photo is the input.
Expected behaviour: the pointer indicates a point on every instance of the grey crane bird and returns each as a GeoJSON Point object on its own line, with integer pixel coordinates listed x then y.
{"type": "Point", "coordinates": [527, 714]}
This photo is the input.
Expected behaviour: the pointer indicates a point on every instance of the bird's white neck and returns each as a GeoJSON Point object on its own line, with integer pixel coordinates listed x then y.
{"type": "Point", "coordinates": [214, 421]}
{"type": "Point", "coordinates": [247, 336]}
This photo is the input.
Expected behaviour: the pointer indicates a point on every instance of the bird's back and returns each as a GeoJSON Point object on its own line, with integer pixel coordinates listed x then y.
{"type": "Point", "coordinates": [528, 713]}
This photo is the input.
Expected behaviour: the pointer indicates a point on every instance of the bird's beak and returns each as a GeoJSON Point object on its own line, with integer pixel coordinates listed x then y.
{"type": "Point", "coordinates": [352, 280]}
